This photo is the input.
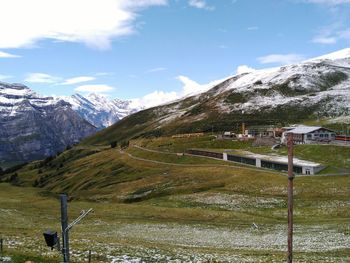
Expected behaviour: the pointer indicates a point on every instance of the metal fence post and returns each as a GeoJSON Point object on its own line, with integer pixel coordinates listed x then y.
{"type": "Point", "coordinates": [89, 256]}
{"type": "Point", "coordinates": [65, 231]}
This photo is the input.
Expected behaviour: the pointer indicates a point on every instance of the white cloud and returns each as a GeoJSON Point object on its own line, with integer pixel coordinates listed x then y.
{"type": "Point", "coordinates": [189, 88]}
{"type": "Point", "coordinates": [329, 2]}
{"type": "Point", "coordinates": [94, 22]}
{"type": "Point", "coordinates": [200, 4]}
{"type": "Point", "coordinates": [104, 74]}
{"type": "Point", "coordinates": [244, 69]}
{"type": "Point", "coordinates": [253, 28]}
{"type": "Point", "coordinates": [332, 34]}
{"type": "Point", "coordinates": [95, 88]}
{"type": "Point", "coordinates": [154, 99]}
{"type": "Point", "coordinates": [281, 58]}
{"type": "Point", "coordinates": [156, 70]}
{"type": "Point", "coordinates": [324, 40]}
{"type": "Point", "coordinates": [76, 80]}
{"type": "Point", "coordinates": [3, 77]}
{"type": "Point", "coordinates": [41, 78]}
{"type": "Point", "coordinates": [8, 55]}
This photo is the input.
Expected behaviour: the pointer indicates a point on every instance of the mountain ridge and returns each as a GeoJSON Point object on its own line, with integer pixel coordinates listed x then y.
{"type": "Point", "coordinates": [34, 126]}
{"type": "Point", "coordinates": [99, 110]}
{"type": "Point", "coordinates": [293, 93]}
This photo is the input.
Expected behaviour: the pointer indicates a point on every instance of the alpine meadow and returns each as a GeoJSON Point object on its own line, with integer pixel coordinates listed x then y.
{"type": "Point", "coordinates": [111, 152]}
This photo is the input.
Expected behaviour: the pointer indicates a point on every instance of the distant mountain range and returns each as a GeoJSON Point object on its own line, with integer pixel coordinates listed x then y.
{"type": "Point", "coordinates": [99, 110]}
{"type": "Point", "coordinates": [34, 126]}
{"type": "Point", "coordinates": [309, 90]}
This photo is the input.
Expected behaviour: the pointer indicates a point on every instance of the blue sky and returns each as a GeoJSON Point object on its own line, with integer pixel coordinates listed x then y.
{"type": "Point", "coordinates": [128, 49]}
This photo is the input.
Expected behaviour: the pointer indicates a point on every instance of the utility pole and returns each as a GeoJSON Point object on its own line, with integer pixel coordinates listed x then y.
{"type": "Point", "coordinates": [290, 197]}
{"type": "Point", "coordinates": [65, 233]}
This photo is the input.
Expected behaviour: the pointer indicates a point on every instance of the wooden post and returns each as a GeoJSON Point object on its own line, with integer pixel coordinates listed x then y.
{"type": "Point", "coordinates": [89, 256]}
{"type": "Point", "coordinates": [290, 197]}
{"type": "Point", "coordinates": [1, 246]}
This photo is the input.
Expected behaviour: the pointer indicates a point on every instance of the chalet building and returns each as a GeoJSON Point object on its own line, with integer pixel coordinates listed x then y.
{"type": "Point", "coordinates": [263, 131]}
{"type": "Point", "coordinates": [308, 134]}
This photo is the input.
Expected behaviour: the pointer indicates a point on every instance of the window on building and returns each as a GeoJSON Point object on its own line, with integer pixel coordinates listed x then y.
{"type": "Point", "coordinates": [298, 169]}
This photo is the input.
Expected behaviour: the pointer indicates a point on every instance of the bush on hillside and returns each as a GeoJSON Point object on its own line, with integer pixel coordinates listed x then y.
{"type": "Point", "coordinates": [124, 144]}
{"type": "Point", "coordinates": [113, 144]}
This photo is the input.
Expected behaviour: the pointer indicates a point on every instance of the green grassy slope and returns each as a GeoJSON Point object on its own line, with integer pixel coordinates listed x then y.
{"type": "Point", "coordinates": [151, 205]}
{"type": "Point", "coordinates": [99, 172]}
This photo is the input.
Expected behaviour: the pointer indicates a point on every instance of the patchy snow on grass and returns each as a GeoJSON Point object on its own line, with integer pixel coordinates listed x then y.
{"type": "Point", "coordinates": [232, 201]}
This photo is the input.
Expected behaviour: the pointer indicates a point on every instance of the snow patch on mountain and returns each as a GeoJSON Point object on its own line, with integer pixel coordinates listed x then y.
{"type": "Point", "coordinates": [15, 98]}
{"type": "Point", "coordinates": [337, 55]}
{"type": "Point", "coordinates": [99, 110]}
{"type": "Point", "coordinates": [310, 82]}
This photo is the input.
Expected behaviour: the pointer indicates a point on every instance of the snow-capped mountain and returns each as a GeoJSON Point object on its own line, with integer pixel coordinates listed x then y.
{"type": "Point", "coordinates": [320, 81]}
{"type": "Point", "coordinates": [315, 88]}
{"type": "Point", "coordinates": [34, 126]}
{"type": "Point", "coordinates": [99, 110]}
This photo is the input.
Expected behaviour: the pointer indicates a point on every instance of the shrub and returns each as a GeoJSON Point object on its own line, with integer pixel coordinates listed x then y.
{"type": "Point", "coordinates": [35, 183]}
{"type": "Point", "coordinates": [124, 144]}
{"type": "Point", "coordinates": [113, 144]}
{"type": "Point", "coordinates": [68, 147]}
{"type": "Point", "coordinates": [14, 180]}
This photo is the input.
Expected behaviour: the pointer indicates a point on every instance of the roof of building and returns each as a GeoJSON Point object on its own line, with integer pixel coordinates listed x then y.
{"type": "Point", "coordinates": [277, 159]}
{"type": "Point", "coordinates": [305, 129]}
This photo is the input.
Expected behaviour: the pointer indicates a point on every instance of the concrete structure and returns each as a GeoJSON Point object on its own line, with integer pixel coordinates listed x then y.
{"type": "Point", "coordinates": [279, 163]}
{"type": "Point", "coordinates": [308, 134]}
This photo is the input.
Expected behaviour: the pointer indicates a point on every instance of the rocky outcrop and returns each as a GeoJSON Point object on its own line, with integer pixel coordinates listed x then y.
{"type": "Point", "coordinates": [33, 127]}
{"type": "Point", "coordinates": [99, 110]}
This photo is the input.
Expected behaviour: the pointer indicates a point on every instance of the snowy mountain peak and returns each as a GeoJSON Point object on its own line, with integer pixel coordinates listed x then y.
{"type": "Point", "coordinates": [15, 89]}
{"type": "Point", "coordinates": [95, 108]}
{"type": "Point", "coordinates": [98, 98]}
{"type": "Point", "coordinates": [99, 110]}
{"type": "Point", "coordinates": [16, 98]}
{"type": "Point", "coordinates": [340, 54]}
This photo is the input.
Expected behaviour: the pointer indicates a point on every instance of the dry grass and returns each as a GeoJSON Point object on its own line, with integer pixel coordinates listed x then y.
{"type": "Point", "coordinates": [159, 212]}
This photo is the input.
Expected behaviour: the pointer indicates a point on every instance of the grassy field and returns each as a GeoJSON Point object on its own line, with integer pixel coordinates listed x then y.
{"type": "Point", "coordinates": [165, 207]}
{"type": "Point", "coordinates": [336, 157]}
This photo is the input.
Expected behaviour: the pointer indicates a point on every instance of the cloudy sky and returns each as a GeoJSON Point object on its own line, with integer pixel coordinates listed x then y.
{"type": "Point", "coordinates": [159, 49]}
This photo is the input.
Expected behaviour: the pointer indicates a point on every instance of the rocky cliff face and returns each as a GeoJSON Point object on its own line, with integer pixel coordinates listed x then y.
{"type": "Point", "coordinates": [32, 126]}
{"type": "Point", "coordinates": [99, 110]}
